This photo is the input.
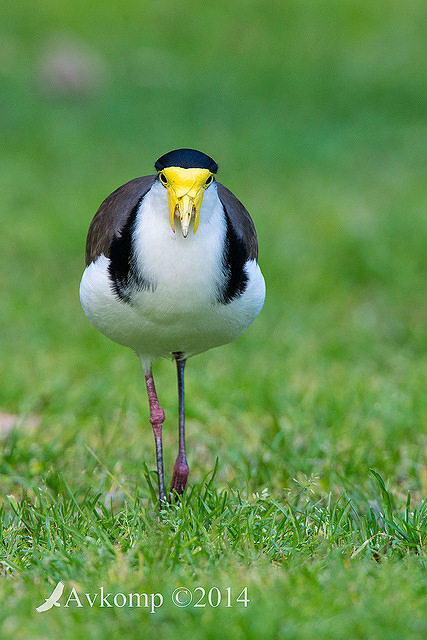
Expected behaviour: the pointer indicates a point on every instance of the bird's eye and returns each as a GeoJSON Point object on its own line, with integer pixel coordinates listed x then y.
{"type": "Point", "coordinates": [163, 179]}
{"type": "Point", "coordinates": [209, 181]}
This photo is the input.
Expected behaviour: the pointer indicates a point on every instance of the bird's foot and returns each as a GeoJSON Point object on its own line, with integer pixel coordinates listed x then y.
{"type": "Point", "coordinates": [179, 479]}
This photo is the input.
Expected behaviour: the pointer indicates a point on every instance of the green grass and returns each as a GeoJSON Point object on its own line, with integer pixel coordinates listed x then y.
{"type": "Point", "coordinates": [258, 553]}
{"type": "Point", "coordinates": [307, 437]}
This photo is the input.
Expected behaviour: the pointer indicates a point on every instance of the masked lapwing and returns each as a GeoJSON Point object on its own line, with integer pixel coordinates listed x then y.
{"type": "Point", "coordinates": [172, 271]}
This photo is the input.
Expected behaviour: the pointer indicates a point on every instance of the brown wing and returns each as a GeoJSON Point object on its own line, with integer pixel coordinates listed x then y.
{"type": "Point", "coordinates": [112, 215]}
{"type": "Point", "coordinates": [240, 220]}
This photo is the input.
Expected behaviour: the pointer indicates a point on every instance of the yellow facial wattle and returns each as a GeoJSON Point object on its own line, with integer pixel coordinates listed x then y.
{"type": "Point", "coordinates": [186, 188]}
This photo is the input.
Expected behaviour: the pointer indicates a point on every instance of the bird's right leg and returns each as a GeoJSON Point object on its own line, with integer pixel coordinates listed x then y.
{"type": "Point", "coordinates": [157, 418]}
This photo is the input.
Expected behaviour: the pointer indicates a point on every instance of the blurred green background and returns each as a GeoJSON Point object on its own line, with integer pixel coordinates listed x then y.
{"type": "Point", "coordinates": [316, 113]}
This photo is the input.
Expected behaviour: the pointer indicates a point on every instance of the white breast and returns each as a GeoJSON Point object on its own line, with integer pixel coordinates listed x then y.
{"type": "Point", "coordinates": [181, 313]}
{"type": "Point", "coordinates": [186, 272]}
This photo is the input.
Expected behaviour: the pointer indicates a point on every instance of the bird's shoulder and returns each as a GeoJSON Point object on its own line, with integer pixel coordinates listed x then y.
{"type": "Point", "coordinates": [112, 215]}
{"type": "Point", "coordinates": [240, 220]}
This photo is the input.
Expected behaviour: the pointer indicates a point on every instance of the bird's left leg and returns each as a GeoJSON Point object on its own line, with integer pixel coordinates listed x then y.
{"type": "Point", "coordinates": [180, 470]}
{"type": "Point", "coordinates": [157, 417]}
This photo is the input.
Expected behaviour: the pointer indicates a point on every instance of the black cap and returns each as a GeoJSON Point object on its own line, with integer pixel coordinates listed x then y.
{"type": "Point", "coordinates": [186, 159]}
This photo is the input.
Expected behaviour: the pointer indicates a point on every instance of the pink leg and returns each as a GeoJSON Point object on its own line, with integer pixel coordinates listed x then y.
{"type": "Point", "coordinates": [157, 417]}
{"type": "Point", "coordinates": [180, 470]}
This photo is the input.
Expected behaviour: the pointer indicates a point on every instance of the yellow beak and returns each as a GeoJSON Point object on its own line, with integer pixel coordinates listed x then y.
{"type": "Point", "coordinates": [186, 188]}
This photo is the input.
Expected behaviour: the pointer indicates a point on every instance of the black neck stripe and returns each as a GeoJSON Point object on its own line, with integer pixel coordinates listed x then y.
{"type": "Point", "coordinates": [234, 258]}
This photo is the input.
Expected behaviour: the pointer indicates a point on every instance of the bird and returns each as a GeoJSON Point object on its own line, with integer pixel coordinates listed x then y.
{"type": "Point", "coordinates": [172, 271]}
{"type": "Point", "coordinates": [53, 599]}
